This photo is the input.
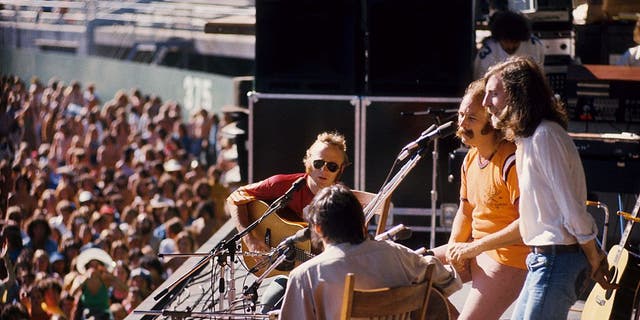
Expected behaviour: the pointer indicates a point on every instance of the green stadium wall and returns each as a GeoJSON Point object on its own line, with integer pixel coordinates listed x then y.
{"type": "Point", "coordinates": [191, 89]}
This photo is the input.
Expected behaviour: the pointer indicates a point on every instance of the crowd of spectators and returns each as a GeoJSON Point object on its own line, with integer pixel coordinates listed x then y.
{"type": "Point", "coordinates": [91, 191]}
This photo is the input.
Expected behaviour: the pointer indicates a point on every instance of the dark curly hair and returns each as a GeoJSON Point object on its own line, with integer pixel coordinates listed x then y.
{"type": "Point", "coordinates": [509, 25]}
{"type": "Point", "coordinates": [339, 214]}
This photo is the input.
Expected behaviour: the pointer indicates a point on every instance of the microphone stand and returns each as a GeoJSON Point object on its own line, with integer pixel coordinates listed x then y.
{"type": "Point", "coordinates": [251, 292]}
{"type": "Point", "coordinates": [222, 262]}
{"type": "Point", "coordinates": [227, 248]}
{"type": "Point", "coordinates": [434, 191]}
{"type": "Point", "coordinates": [434, 181]}
{"type": "Point", "coordinates": [434, 169]}
{"type": "Point", "coordinates": [371, 208]}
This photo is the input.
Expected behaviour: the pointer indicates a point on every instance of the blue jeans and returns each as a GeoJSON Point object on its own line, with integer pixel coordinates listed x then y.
{"type": "Point", "coordinates": [550, 288]}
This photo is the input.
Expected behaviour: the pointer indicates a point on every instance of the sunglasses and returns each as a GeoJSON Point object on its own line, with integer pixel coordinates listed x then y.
{"type": "Point", "coordinates": [331, 166]}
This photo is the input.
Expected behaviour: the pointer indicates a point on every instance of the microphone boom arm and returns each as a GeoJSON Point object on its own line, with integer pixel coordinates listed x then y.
{"type": "Point", "coordinates": [385, 192]}
{"type": "Point", "coordinates": [230, 244]}
{"type": "Point", "coordinates": [278, 204]}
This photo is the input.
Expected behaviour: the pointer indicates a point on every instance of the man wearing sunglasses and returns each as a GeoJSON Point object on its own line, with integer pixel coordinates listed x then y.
{"type": "Point", "coordinates": [324, 162]}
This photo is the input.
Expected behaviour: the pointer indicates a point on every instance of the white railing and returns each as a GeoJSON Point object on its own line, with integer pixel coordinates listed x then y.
{"type": "Point", "coordinates": [31, 23]}
{"type": "Point", "coordinates": [190, 15]}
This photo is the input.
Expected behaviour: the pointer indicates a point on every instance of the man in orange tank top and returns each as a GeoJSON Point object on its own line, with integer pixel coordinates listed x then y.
{"type": "Point", "coordinates": [485, 246]}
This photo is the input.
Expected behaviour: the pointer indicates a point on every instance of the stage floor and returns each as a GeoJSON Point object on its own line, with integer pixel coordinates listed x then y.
{"type": "Point", "coordinates": [199, 297]}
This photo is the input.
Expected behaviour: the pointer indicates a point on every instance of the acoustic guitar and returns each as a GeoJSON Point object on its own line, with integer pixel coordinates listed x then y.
{"type": "Point", "coordinates": [284, 223]}
{"type": "Point", "coordinates": [616, 303]}
{"type": "Point", "coordinates": [273, 230]}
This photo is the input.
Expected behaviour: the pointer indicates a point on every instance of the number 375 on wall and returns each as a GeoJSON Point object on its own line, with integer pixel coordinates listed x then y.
{"type": "Point", "coordinates": [197, 93]}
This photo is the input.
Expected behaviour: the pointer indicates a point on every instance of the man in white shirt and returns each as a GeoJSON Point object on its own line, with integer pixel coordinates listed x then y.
{"type": "Point", "coordinates": [314, 289]}
{"type": "Point", "coordinates": [554, 221]}
{"type": "Point", "coordinates": [510, 36]}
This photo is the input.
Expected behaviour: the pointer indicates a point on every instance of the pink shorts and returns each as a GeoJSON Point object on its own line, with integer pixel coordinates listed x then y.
{"type": "Point", "coordinates": [494, 286]}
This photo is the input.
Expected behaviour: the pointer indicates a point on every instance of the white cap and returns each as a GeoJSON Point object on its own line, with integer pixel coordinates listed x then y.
{"type": "Point", "coordinates": [85, 196]}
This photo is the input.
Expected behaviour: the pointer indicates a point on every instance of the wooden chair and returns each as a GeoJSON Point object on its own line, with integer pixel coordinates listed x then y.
{"type": "Point", "coordinates": [382, 213]}
{"type": "Point", "coordinates": [406, 302]}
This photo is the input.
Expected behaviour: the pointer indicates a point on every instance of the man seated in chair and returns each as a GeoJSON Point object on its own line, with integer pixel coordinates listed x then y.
{"type": "Point", "coordinates": [314, 289]}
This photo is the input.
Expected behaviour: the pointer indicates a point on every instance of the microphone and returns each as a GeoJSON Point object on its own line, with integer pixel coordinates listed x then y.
{"type": "Point", "coordinates": [405, 150]}
{"type": "Point", "coordinates": [294, 186]}
{"type": "Point", "coordinates": [399, 232]}
{"type": "Point", "coordinates": [428, 130]}
{"type": "Point", "coordinates": [282, 258]}
{"type": "Point", "coordinates": [287, 249]}
{"type": "Point", "coordinates": [447, 129]}
{"type": "Point", "coordinates": [299, 236]}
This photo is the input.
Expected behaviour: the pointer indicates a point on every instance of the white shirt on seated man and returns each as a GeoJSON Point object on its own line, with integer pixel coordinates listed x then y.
{"type": "Point", "coordinates": [314, 289]}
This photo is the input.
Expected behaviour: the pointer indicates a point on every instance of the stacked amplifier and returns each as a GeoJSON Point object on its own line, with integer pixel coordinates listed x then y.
{"type": "Point", "coordinates": [552, 23]}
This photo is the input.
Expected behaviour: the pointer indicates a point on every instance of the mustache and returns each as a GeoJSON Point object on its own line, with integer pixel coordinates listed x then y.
{"type": "Point", "coordinates": [468, 133]}
{"type": "Point", "coordinates": [464, 132]}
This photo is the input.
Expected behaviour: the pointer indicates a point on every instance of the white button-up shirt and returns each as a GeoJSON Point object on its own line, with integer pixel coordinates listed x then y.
{"type": "Point", "coordinates": [315, 288]}
{"type": "Point", "coordinates": [553, 190]}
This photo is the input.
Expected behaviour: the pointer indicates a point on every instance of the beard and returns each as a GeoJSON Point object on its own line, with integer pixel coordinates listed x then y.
{"type": "Point", "coordinates": [495, 121]}
{"type": "Point", "coordinates": [498, 119]}
{"type": "Point", "coordinates": [487, 129]}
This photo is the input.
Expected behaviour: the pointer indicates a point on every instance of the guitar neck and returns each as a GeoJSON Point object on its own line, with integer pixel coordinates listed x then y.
{"type": "Point", "coordinates": [627, 228]}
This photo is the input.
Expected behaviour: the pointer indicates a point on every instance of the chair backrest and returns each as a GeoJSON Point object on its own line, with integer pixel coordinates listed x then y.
{"type": "Point", "coordinates": [382, 212]}
{"type": "Point", "coordinates": [405, 302]}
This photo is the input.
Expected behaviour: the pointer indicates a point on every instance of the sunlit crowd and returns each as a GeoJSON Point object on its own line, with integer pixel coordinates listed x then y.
{"type": "Point", "coordinates": [93, 189]}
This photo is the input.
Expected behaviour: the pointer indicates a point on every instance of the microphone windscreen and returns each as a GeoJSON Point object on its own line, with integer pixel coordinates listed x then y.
{"type": "Point", "coordinates": [403, 234]}
{"type": "Point", "coordinates": [447, 129]}
{"type": "Point", "coordinates": [303, 234]}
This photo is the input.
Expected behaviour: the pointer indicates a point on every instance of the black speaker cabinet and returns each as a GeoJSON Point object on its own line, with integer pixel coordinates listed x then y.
{"type": "Point", "coordinates": [388, 129]}
{"type": "Point", "coordinates": [420, 48]}
{"type": "Point", "coordinates": [283, 128]}
{"type": "Point", "coordinates": [309, 46]}
{"type": "Point", "coordinates": [242, 86]}
{"type": "Point", "coordinates": [612, 175]}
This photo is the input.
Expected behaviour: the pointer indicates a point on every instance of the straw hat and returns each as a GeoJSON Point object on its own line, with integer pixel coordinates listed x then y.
{"type": "Point", "coordinates": [94, 254]}
{"type": "Point", "coordinates": [172, 165]}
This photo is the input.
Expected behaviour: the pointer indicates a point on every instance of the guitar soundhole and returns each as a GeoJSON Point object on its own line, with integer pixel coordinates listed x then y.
{"type": "Point", "coordinates": [614, 272]}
